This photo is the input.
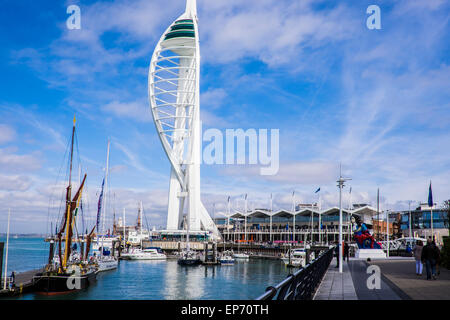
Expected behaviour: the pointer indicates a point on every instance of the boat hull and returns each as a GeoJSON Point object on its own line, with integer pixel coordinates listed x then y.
{"type": "Point", "coordinates": [107, 265]}
{"type": "Point", "coordinates": [62, 283]}
{"type": "Point", "coordinates": [189, 262]}
{"type": "Point", "coordinates": [143, 257]}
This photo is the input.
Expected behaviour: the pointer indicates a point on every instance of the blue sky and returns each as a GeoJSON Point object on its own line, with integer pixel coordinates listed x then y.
{"type": "Point", "coordinates": [375, 100]}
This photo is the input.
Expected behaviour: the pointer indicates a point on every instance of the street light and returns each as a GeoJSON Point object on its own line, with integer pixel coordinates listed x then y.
{"type": "Point", "coordinates": [340, 182]}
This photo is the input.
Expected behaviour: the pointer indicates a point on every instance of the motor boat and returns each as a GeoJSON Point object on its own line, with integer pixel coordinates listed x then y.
{"type": "Point", "coordinates": [106, 263]}
{"type": "Point", "coordinates": [241, 256]}
{"type": "Point", "coordinates": [151, 253]}
{"type": "Point", "coordinates": [295, 258]}
{"type": "Point", "coordinates": [227, 258]}
{"type": "Point", "coordinates": [189, 258]}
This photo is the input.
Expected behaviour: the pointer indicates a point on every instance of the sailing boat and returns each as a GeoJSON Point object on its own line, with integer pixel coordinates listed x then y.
{"type": "Point", "coordinates": [240, 255]}
{"type": "Point", "coordinates": [66, 272]}
{"type": "Point", "coordinates": [138, 236]}
{"type": "Point", "coordinates": [104, 260]}
{"type": "Point", "coordinates": [188, 257]}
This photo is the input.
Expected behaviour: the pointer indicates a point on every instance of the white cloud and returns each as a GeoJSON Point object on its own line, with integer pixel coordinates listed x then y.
{"type": "Point", "coordinates": [14, 183]}
{"type": "Point", "coordinates": [135, 110]}
{"type": "Point", "coordinates": [7, 134]}
{"type": "Point", "coordinates": [12, 162]}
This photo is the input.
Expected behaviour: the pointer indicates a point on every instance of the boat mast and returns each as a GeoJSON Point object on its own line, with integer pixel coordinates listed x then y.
{"type": "Point", "coordinates": [104, 198]}
{"type": "Point", "coordinates": [7, 246]}
{"type": "Point", "coordinates": [68, 203]}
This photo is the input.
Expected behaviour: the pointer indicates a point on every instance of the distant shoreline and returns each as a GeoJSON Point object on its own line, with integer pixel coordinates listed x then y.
{"type": "Point", "coordinates": [23, 235]}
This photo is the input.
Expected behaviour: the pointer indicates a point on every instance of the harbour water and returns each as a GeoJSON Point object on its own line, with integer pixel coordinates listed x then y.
{"type": "Point", "coordinates": [158, 280]}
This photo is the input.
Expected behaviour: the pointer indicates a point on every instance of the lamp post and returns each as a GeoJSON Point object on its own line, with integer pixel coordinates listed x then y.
{"type": "Point", "coordinates": [387, 231]}
{"type": "Point", "coordinates": [340, 182]}
{"type": "Point", "coordinates": [410, 222]}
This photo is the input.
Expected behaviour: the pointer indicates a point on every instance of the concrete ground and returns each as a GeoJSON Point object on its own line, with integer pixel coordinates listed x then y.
{"type": "Point", "coordinates": [335, 285]}
{"type": "Point", "coordinates": [402, 273]}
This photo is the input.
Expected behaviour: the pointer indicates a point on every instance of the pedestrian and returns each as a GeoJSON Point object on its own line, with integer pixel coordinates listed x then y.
{"type": "Point", "coordinates": [438, 259]}
{"type": "Point", "coordinates": [346, 250]}
{"type": "Point", "coordinates": [417, 251]}
{"type": "Point", "coordinates": [336, 251]}
{"type": "Point", "coordinates": [430, 255]}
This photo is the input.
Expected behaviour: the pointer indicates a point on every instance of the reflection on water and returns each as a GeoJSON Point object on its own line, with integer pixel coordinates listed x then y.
{"type": "Point", "coordinates": [183, 282]}
{"type": "Point", "coordinates": [159, 280]}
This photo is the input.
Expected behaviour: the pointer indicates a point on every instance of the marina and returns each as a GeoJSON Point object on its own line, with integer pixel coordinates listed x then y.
{"type": "Point", "coordinates": [300, 219]}
{"type": "Point", "coordinates": [162, 279]}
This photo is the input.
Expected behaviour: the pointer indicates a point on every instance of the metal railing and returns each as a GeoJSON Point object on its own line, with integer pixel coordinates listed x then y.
{"type": "Point", "coordinates": [302, 284]}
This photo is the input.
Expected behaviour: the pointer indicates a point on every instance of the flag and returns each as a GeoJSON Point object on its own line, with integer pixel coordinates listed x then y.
{"type": "Point", "coordinates": [350, 189]}
{"type": "Point", "coordinates": [317, 190]}
{"type": "Point", "coordinates": [287, 226]}
{"type": "Point", "coordinates": [430, 197]}
{"type": "Point", "coordinates": [100, 205]}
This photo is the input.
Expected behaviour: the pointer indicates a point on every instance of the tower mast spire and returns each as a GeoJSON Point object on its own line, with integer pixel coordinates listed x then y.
{"type": "Point", "coordinates": [191, 6]}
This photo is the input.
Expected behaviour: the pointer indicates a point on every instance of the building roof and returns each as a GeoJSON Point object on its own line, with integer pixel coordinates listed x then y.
{"type": "Point", "coordinates": [261, 213]}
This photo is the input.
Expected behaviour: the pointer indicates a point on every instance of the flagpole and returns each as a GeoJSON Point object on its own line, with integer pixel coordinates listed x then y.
{"type": "Point", "coordinates": [432, 231]}
{"type": "Point", "coordinates": [271, 213]}
{"type": "Point", "coordinates": [430, 204]}
{"type": "Point", "coordinates": [245, 217]}
{"type": "Point", "coordinates": [320, 221]}
{"type": "Point", "coordinates": [293, 215]}
{"type": "Point", "coordinates": [228, 219]}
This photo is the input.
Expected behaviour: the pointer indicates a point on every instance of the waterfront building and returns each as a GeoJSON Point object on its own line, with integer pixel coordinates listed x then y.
{"type": "Point", "coordinates": [421, 222]}
{"type": "Point", "coordinates": [278, 226]}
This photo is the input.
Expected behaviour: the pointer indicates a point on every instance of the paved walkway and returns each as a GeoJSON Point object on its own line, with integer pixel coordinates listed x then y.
{"type": "Point", "coordinates": [387, 291]}
{"type": "Point", "coordinates": [403, 274]}
{"type": "Point", "coordinates": [335, 285]}
{"type": "Point", "coordinates": [352, 284]}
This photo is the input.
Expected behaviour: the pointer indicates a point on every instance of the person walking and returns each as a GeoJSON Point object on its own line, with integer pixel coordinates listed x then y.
{"type": "Point", "coordinates": [417, 252]}
{"type": "Point", "coordinates": [438, 259]}
{"type": "Point", "coordinates": [346, 251]}
{"type": "Point", "coordinates": [336, 251]}
{"type": "Point", "coordinates": [430, 255]}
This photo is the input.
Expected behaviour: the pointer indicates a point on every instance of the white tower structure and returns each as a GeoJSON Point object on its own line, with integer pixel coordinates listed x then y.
{"type": "Point", "coordinates": [174, 93]}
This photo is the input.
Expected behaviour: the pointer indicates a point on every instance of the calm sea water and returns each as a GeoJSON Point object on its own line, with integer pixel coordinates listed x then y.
{"type": "Point", "coordinates": [159, 280]}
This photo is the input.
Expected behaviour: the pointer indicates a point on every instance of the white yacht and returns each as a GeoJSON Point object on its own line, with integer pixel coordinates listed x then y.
{"type": "Point", "coordinates": [151, 253]}
{"type": "Point", "coordinates": [241, 256]}
{"type": "Point", "coordinates": [227, 258]}
{"type": "Point", "coordinates": [295, 258]}
{"type": "Point", "coordinates": [105, 263]}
